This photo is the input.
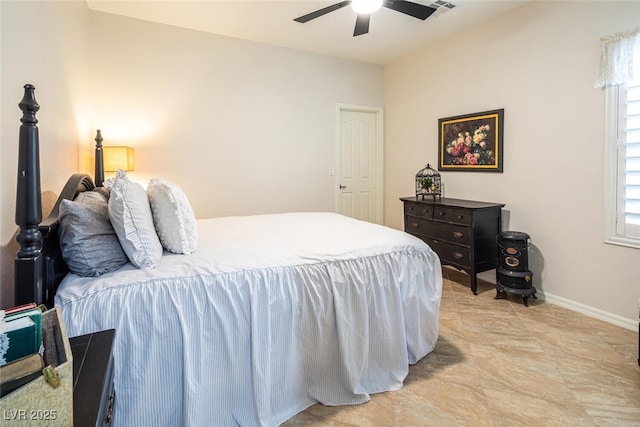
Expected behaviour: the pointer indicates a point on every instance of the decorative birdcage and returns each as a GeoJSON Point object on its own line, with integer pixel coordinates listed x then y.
{"type": "Point", "coordinates": [428, 183]}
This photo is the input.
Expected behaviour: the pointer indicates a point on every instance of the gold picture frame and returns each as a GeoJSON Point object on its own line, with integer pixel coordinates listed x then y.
{"type": "Point", "coordinates": [471, 142]}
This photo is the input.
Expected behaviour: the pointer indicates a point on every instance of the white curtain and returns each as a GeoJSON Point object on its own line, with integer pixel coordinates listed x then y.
{"type": "Point", "coordinates": [619, 58]}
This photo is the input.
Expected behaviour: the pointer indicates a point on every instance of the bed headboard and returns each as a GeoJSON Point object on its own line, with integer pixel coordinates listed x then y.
{"type": "Point", "coordinates": [39, 267]}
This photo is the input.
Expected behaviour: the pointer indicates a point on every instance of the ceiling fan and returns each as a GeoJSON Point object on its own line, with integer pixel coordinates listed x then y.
{"type": "Point", "coordinates": [364, 9]}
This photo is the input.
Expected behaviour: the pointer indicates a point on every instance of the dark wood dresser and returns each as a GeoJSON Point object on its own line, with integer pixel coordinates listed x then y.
{"type": "Point", "coordinates": [93, 394]}
{"type": "Point", "coordinates": [462, 232]}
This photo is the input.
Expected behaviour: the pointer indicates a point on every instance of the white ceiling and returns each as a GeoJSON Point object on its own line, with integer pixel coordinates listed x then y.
{"type": "Point", "coordinates": [391, 34]}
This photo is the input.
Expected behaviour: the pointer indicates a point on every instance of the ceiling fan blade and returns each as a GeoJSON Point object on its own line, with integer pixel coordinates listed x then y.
{"type": "Point", "coordinates": [318, 13]}
{"type": "Point", "coordinates": [362, 24]}
{"type": "Point", "coordinates": [410, 8]}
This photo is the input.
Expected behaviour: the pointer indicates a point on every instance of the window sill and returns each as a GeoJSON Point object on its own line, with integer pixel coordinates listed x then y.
{"type": "Point", "coordinates": [623, 241]}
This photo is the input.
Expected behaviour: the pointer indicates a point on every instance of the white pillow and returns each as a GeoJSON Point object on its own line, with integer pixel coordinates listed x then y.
{"type": "Point", "coordinates": [131, 218]}
{"type": "Point", "coordinates": [173, 217]}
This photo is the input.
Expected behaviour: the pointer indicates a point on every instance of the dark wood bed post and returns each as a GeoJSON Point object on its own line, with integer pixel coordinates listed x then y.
{"type": "Point", "coordinates": [28, 263]}
{"type": "Point", "coordinates": [99, 165]}
{"type": "Point", "coordinates": [39, 266]}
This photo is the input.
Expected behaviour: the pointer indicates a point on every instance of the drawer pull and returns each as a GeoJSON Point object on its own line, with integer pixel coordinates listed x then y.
{"type": "Point", "coordinates": [458, 235]}
{"type": "Point", "coordinates": [460, 216]}
{"type": "Point", "coordinates": [415, 225]}
{"type": "Point", "coordinates": [458, 255]}
{"type": "Point", "coordinates": [442, 213]}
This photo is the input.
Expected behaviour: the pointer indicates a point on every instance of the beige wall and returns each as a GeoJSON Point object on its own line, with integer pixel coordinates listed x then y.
{"type": "Point", "coordinates": [44, 44]}
{"type": "Point", "coordinates": [537, 62]}
{"type": "Point", "coordinates": [243, 127]}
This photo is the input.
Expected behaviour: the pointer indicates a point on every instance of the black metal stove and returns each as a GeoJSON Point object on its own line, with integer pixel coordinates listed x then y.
{"type": "Point", "coordinates": [513, 275]}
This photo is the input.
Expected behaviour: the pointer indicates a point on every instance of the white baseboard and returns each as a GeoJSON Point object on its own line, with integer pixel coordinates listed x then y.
{"type": "Point", "coordinates": [614, 319]}
{"type": "Point", "coordinates": [605, 316]}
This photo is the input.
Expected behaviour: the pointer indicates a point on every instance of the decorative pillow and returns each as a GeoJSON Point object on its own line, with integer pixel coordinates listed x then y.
{"type": "Point", "coordinates": [173, 217]}
{"type": "Point", "coordinates": [88, 242]}
{"type": "Point", "coordinates": [106, 192]}
{"type": "Point", "coordinates": [131, 218]}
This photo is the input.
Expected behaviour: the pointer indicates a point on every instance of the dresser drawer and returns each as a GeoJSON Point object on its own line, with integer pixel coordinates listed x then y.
{"type": "Point", "coordinates": [419, 210]}
{"type": "Point", "coordinates": [452, 233]}
{"type": "Point", "coordinates": [419, 226]}
{"type": "Point", "coordinates": [454, 216]}
{"type": "Point", "coordinates": [442, 231]}
{"type": "Point", "coordinates": [449, 253]}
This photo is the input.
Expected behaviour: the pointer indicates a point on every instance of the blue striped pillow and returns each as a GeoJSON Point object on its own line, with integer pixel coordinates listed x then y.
{"type": "Point", "coordinates": [88, 242]}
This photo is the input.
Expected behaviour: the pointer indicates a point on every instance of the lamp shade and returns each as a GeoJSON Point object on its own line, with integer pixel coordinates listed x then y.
{"type": "Point", "coordinates": [117, 158]}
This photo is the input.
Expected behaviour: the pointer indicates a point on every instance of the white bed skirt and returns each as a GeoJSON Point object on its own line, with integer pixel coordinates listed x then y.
{"type": "Point", "coordinates": [272, 314]}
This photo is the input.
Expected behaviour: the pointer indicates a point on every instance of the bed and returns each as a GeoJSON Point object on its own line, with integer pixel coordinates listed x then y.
{"type": "Point", "coordinates": [268, 316]}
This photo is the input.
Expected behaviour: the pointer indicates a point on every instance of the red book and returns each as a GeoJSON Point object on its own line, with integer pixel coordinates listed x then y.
{"type": "Point", "coordinates": [19, 308]}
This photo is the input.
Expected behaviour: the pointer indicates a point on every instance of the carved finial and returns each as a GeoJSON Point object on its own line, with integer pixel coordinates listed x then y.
{"type": "Point", "coordinates": [99, 166]}
{"type": "Point", "coordinates": [29, 106]}
{"type": "Point", "coordinates": [98, 139]}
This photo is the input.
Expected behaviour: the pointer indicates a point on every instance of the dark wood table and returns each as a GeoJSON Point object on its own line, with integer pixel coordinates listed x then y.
{"type": "Point", "coordinates": [93, 393]}
{"type": "Point", "coordinates": [462, 232]}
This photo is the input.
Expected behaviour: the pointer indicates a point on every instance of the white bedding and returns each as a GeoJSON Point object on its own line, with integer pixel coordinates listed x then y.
{"type": "Point", "coordinates": [270, 315]}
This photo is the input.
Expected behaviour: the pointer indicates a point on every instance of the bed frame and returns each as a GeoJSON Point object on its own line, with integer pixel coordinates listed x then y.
{"type": "Point", "coordinates": [39, 267]}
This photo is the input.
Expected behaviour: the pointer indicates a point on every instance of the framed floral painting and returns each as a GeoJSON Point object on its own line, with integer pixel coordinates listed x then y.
{"type": "Point", "coordinates": [472, 142]}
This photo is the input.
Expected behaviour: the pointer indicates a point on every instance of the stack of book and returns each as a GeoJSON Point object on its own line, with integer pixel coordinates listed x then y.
{"type": "Point", "coordinates": [21, 348]}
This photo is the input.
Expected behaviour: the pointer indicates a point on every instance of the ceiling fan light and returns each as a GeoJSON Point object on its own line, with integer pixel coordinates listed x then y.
{"type": "Point", "coordinates": [366, 6]}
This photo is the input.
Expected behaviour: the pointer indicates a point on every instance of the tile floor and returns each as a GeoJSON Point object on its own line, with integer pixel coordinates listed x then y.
{"type": "Point", "coordinates": [499, 363]}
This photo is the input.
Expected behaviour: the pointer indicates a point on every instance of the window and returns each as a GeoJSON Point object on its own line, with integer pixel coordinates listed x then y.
{"type": "Point", "coordinates": [619, 73]}
{"type": "Point", "coordinates": [622, 188]}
